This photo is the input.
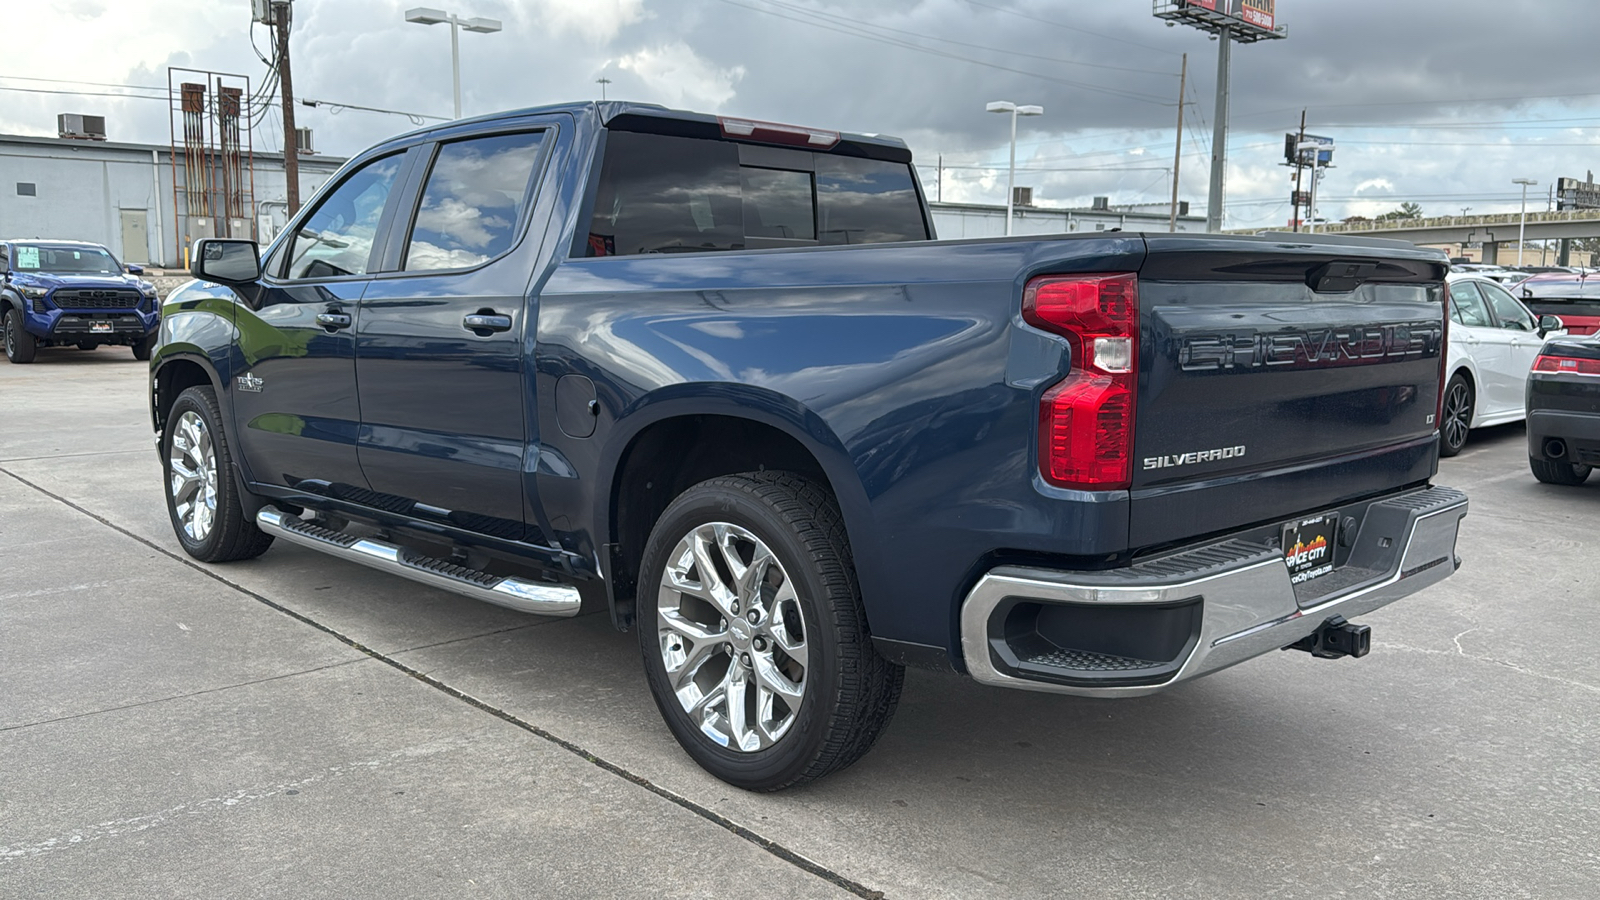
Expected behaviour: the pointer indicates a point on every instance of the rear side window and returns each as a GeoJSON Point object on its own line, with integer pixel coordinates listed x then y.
{"type": "Point", "coordinates": [668, 194]}
{"type": "Point", "coordinates": [1469, 306]}
{"type": "Point", "coordinates": [475, 195]}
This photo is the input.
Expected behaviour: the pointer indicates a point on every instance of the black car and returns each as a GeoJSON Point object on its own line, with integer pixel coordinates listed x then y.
{"type": "Point", "coordinates": [1564, 410]}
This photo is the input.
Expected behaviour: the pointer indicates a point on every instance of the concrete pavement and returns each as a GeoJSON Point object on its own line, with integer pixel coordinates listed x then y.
{"type": "Point", "coordinates": [298, 726]}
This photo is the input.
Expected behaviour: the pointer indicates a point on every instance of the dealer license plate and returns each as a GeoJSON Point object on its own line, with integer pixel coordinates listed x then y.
{"type": "Point", "coordinates": [1308, 546]}
{"type": "Point", "coordinates": [99, 327]}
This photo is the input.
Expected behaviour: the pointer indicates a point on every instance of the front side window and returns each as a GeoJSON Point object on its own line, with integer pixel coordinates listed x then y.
{"type": "Point", "coordinates": [1507, 309]}
{"type": "Point", "coordinates": [65, 260]}
{"type": "Point", "coordinates": [337, 237]}
{"type": "Point", "coordinates": [475, 196]}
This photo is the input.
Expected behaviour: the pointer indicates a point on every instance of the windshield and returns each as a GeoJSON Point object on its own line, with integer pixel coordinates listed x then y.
{"type": "Point", "coordinates": [58, 258]}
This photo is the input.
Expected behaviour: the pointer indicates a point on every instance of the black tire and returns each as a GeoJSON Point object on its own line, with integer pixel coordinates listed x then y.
{"type": "Point", "coordinates": [20, 345]}
{"type": "Point", "coordinates": [143, 346]}
{"type": "Point", "coordinates": [1456, 420]}
{"type": "Point", "coordinates": [230, 535]}
{"type": "Point", "coordinates": [1552, 471]}
{"type": "Point", "coordinates": [850, 691]}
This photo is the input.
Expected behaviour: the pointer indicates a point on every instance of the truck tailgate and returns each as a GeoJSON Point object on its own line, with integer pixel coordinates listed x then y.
{"type": "Point", "coordinates": [1277, 378]}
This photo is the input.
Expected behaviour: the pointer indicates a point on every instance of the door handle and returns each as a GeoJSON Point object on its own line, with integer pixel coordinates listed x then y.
{"type": "Point", "coordinates": [333, 321]}
{"type": "Point", "coordinates": [486, 322]}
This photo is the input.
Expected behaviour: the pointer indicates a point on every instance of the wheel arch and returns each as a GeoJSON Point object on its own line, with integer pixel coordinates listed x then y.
{"type": "Point", "coordinates": [681, 436]}
{"type": "Point", "coordinates": [176, 371]}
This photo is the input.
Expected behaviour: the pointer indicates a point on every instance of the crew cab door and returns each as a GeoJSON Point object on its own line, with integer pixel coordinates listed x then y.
{"type": "Point", "coordinates": [1525, 341]}
{"type": "Point", "coordinates": [446, 413]}
{"type": "Point", "coordinates": [295, 403]}
{"type": "Point", "coordinates": [1490, 348]}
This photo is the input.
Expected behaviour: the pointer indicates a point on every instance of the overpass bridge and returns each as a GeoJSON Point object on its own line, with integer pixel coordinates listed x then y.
{"type": "Point", "coordinates": [1490, 230]}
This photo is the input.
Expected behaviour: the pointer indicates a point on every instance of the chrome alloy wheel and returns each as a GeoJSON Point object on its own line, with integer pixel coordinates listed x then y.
{"type": "Point", "coordinates": [193, 482]}
{"type": "Point", "coordinates": [1457, 415]}
{"type": "Point", "coordinates": [732, 636]}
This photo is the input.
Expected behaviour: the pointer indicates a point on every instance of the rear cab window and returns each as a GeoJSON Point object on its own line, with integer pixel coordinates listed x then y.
{"type": "Point", "coordinates": [668, 193]}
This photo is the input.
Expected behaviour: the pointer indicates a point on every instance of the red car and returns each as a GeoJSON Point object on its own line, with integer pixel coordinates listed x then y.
{"type": "Point", "coordinates": [1566, 295]}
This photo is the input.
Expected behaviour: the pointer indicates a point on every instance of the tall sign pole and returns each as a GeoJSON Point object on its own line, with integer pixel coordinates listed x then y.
{"type": "Point", "coordinates": [1219, 134]}
{"type": "Point", "coordinates": [1244, 21]}
{"type": "Point", "coordinates": [291, 137]}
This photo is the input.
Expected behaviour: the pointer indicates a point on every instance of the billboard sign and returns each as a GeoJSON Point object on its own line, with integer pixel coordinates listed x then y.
{"type": "Point", "coordinates": [1320, 155]}
{"type": "Point", "coordinates": [1259, 13]}
{"type": "Point", "coordinates": [1574, 194]}
{"type": "Point", "coordinates": [1203, 4]}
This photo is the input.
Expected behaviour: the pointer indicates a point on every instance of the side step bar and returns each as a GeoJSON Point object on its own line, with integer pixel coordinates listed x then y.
{"type": "Point", "coordinates": [514, 593]}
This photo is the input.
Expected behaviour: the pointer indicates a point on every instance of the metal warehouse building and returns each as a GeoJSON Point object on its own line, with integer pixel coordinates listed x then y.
{"type": "Point", "coordinates": [123, 196]}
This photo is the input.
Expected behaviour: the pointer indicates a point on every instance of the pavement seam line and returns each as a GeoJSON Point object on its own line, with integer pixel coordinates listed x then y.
{"type": "Point", "coordinates": [200, 693]}
{"type": "Point", "coordinates": [12, 459]}
{"type": "Point", "coordinates": [770, 846]}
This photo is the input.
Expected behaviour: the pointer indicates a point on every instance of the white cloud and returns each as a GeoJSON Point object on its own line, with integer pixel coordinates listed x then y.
{"type": "Point", "coordinates": [597, 20]}
{"type": "Point", "coordinates": [675, 75]}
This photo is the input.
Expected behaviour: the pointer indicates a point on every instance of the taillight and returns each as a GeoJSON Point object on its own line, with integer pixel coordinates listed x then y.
{"type": "Point", "coordinates": [1567, 365]}
{"type": "Point", "coordinates": [1086, 419]}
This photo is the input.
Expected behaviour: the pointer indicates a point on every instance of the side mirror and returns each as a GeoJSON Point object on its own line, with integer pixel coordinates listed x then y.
{"type": "Point", "coordinates": [226, 260]}
{"type": "Point", "coordinates": [132, 269]}
{"type": "Point", "coordinates": [1548, 324]}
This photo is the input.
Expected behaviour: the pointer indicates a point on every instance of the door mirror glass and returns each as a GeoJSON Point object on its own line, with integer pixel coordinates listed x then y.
{"type": "Point", "coordinates": [1548, 324]}
{"type": "Point", "coordinates": [226, 260]}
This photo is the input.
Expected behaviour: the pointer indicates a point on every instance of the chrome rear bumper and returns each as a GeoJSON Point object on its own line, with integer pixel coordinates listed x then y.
{"type": "Point", "coordinates": [1248, 606]}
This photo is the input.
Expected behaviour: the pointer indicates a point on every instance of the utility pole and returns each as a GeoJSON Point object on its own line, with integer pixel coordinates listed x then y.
{"type": "Point", "coordinates": [1299, 170]}
{"type": "Point", "coordinates": [600, 81]}
{"type": "Point", "coordinates": [1219, 133]}
{"type": "Point", "coordinates": [940, 182]}
{"type": "Point", "coordinates": [1177, 155]}
{"type": "Point", "coordinates": [291, 137]}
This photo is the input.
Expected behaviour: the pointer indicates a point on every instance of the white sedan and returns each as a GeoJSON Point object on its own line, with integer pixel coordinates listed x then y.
{"type": "Point", "coordinates": [1493, 343]}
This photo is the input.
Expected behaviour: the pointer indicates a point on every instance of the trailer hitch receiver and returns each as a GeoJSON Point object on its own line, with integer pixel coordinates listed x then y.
{"type": "Point", "coordinates": [1336, 638]}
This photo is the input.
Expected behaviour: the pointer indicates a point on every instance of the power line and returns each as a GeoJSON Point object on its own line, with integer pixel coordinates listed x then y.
{"type": "Point", "coordinates": [837, 18]}
{"type": "Point", "coordinates": [1012, 12]}
{"type": "Point", "coordinates": [1142, 98]}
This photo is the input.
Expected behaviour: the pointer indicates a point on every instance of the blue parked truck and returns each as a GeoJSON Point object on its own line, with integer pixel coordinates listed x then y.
{"type": "Point", "coordinates": [55, 293]}
{"type": "Point", "coordinates": [716, 378]}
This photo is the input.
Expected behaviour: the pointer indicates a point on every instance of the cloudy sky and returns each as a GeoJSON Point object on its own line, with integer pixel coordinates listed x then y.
{"type": "Point", "coordinates": [1438, 102]}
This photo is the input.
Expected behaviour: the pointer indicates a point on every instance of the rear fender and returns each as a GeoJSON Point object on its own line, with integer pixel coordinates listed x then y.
{"type": "Point", "coordinates": [761, 406]}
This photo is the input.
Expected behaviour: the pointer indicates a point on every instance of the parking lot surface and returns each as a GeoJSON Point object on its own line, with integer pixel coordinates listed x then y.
{"type": "Point", "coordinates": [298, 726]}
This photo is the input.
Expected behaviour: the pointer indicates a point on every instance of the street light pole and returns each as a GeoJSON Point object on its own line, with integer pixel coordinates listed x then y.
{"type": "Point", "coordinates": [423, 15]}
{"type": "Point", "coordinates": [1522, 228]}
{"type": "Point", "coordinates": [1006, 106]}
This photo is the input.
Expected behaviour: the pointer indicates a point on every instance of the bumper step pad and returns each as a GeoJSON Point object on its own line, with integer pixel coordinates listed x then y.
{"type": "Point", "coordinates": [1076, 661]}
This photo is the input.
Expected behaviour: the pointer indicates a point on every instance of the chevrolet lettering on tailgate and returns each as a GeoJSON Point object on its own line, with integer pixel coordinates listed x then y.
{"type": "Point", "coordinates": [1311, 349]}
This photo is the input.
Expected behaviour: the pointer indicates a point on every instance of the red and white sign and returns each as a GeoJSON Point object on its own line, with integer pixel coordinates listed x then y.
{"type": "Point", "coordinates": [1256, 12]}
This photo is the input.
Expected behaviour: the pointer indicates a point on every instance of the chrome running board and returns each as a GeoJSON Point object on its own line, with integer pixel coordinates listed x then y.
{"type": "Point", "coordinates": [513, 593]}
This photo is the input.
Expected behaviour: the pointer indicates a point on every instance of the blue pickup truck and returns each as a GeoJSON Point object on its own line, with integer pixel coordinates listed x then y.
{"type": "Point", "coordinates": [55, 293]}
{"type": "Point", "coordinates": [716, 378]}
